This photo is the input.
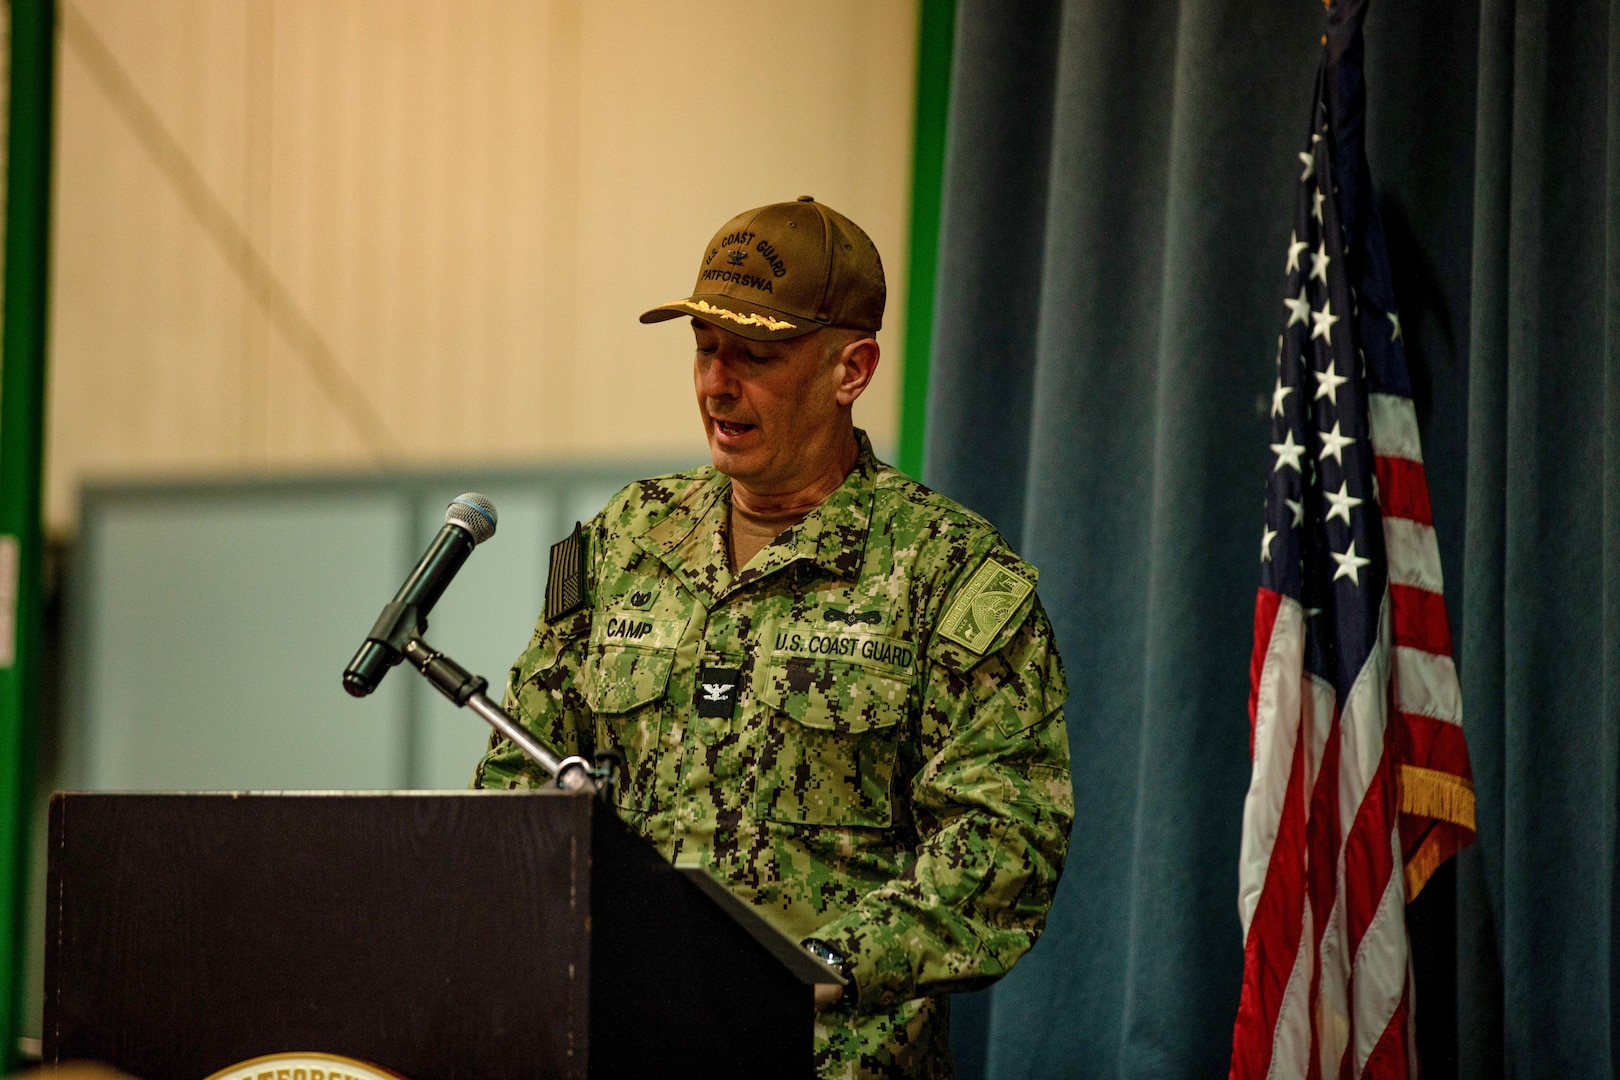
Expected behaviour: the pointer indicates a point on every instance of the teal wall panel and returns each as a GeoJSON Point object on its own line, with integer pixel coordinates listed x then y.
{"type": "Point", "coordinates": [218, 629]}
{"type": "Point", "coordinates": [484, 621]}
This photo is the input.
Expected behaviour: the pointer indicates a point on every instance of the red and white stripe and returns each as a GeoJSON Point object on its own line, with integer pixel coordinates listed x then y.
{"type": "Point", "coordinates": [1323, 870]}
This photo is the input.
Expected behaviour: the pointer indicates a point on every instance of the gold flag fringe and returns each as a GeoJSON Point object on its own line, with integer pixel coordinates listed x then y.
{"type": "Point", "coordinates": [1444, 797]}
{"type": "Point", "coordinates": [1434, 794]}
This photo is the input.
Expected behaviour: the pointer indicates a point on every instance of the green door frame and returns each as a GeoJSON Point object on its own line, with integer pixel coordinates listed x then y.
{"type": "Point", "coordinates": [22, 429]}
{"type": "Point", "coordinates": [936, 35]}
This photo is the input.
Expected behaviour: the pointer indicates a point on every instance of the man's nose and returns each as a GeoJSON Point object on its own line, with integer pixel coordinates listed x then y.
{"type": "Point", "coordinates": [716, 379]}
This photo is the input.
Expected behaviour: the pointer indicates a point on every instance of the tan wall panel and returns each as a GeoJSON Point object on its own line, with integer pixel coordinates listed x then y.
{"type": "Point", "coordinates": [297, 234]}
{"type": "Point", "coordinates": [144, 312]}
{"type": "Point", "coordinates": [760, 103]}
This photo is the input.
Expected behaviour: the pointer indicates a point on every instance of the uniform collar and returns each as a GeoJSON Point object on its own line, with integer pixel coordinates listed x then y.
{"type": "Point", "coordinates": [690, 540]}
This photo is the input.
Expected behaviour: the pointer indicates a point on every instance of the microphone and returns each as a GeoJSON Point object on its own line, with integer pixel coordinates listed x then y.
{"type": "Point", "coordinates": [468, 522]}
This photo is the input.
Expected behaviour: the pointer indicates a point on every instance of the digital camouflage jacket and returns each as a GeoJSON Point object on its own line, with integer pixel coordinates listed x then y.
{"type": "Point", "coordinates": [861, 732]}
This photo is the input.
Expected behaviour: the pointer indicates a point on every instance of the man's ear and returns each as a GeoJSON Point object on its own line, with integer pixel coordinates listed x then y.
{"type": "Point", "coordinates": [857, 363]}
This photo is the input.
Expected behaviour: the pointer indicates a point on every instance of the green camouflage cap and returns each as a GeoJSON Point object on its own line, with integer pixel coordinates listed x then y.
{"type": "Point", "coordinates": [783, 270]}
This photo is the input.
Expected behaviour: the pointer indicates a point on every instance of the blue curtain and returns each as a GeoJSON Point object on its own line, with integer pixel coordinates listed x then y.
{"type": "Point", "coordinates": [1116, 212]}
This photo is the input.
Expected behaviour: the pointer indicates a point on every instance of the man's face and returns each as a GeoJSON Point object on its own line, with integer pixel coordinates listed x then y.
{"type": "Point", "coordinates": [770, 408]}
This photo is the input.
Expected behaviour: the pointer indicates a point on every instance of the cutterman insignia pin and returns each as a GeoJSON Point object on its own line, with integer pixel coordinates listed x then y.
{"type": "Point", "coordinates": [565, 583]}
{"type": "Point", "coordinates": [983, 607]}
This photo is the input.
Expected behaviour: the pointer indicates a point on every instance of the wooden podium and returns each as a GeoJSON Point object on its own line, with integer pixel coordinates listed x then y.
{"type": "Point", "coordinates": [485, 935]}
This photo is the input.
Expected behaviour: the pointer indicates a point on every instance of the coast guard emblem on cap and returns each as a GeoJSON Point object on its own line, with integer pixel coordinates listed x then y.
{"type": "Point", "coordinates": [735, 256]}
{"type": "Point", "coordinates": [565, 582]}
{"type": "Point", "coordinates": [985, 605]}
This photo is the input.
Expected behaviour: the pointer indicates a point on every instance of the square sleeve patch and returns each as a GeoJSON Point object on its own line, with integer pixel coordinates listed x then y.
{"type": "Point", "coordinates": [565, 581]}
{"type": "Point", "coordinates": [983, 607]}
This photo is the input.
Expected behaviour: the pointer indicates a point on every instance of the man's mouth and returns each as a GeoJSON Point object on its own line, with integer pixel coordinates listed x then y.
{"type": "Point", "coordinates": [732, 429]}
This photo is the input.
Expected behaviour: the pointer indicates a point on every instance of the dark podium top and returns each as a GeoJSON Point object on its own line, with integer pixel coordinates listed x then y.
{"type": "Point", "coordinates": [479, 934]}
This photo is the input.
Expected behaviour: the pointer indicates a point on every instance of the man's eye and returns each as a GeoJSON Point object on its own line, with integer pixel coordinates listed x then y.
{"type": "Point", "coordinates": [757, 359]}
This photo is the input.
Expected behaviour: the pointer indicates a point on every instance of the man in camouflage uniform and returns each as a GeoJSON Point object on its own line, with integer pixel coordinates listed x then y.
{"type": "Point", "coordinates": [831, 686]}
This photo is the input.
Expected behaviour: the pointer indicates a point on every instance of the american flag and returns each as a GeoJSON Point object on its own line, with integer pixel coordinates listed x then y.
{"type": "Point", "coordinates": [1361, 784]}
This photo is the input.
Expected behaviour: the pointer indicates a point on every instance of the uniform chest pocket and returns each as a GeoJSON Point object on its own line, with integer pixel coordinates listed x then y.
{"type": "Point", "coordinates": [622, 678]}
{"type": "Point", "coordinates": [630, 658]}
{"type": "Point", "coordinates": [831, 729]}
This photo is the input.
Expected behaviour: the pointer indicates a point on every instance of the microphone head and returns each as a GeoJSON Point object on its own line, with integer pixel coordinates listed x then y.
{"type": "Point", "coordinates": [474, 513]}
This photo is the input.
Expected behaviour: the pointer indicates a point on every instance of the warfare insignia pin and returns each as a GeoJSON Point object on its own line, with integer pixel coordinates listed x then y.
{"type": "Point", "coordinates": [983, 607]}
{"type": "Point", "coordinates": [735, 256]}
{"type": "Point", "coordinates": [852, 618]}
{"type": "Point", "coordinates": [716, 691]}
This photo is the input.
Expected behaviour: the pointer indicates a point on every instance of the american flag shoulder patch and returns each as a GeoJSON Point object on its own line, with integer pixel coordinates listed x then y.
{"type": "Point", "coordinates": [983, 607]}
{"type": "Point", "coordinates": [565, 581]}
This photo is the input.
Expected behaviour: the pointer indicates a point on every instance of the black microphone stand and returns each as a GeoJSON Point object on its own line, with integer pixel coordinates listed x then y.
{"type": "Point", "coordinates": [400, 632]}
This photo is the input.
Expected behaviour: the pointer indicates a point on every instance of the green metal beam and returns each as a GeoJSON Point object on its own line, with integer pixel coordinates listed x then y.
{"type": "Point", "coordinates": [22, 429]}
{"type": "Point", "coordinates": [936, 35]}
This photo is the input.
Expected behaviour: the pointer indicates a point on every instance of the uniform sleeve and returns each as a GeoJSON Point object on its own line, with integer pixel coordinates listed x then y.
{"type": "Point", "coordinates": [993, 806]}
{"type": "Point", "coordinates": [543, 693]}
